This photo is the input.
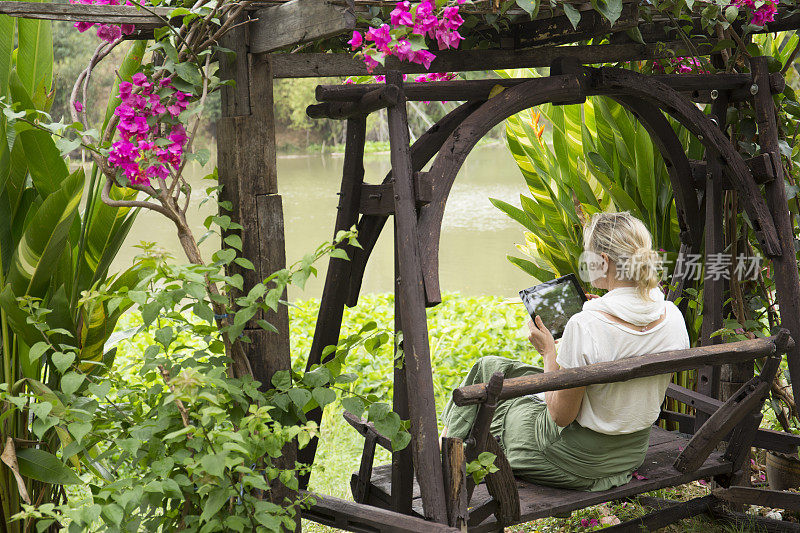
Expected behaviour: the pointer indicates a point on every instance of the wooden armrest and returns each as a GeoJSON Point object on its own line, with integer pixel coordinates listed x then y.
{"type": "Point", "coordinates": [624, 369]}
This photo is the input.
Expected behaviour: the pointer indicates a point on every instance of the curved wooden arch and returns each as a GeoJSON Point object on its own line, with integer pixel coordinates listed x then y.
{"type": "Point", "coordinates": [606, 81]}
{"type": "Point", "coordinates": [677, 163]}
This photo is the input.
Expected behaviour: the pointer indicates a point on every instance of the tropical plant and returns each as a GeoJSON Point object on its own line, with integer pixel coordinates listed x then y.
{"type": "Point", "coordinates": [52, 251]}
{"type": "Point", "coordinates": [594, 157]}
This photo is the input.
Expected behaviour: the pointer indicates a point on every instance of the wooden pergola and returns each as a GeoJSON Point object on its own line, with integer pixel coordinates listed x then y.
{"type": "Point", "coordinates": [423, 490]}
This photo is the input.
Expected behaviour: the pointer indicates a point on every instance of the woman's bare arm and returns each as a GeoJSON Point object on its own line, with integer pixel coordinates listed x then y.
{"type": "Point", "coordinates": [563, 405]}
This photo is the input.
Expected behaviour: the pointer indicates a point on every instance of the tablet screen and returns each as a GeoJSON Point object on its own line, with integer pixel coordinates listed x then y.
{"type": "Point", "coordinates": [555, 301]}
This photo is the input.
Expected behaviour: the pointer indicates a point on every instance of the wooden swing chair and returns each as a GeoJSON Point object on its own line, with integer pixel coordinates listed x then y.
{"type": "Point", "coordinates": [424, 489]}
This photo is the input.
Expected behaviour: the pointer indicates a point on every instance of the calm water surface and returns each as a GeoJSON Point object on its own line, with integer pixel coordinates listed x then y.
{"type": "Point", "coordinates": [476, 237]}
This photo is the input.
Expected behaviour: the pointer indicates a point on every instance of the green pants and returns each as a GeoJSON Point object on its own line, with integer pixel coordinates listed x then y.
{"type": "Point", "coordinates": [538, 450]}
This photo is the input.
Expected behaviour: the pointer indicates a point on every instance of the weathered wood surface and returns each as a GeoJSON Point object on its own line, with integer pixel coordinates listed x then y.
{"type": "Point", "coordinates": [537, 501]}
{"type": "Point", "coordinates": [748, 400]}
{"type": "Point", "coordinates": [761, 166]}
{"type": "Point", "coordinates": [416, 349]}
{"type": "Point", "coordinates": [455, 481]}
{"type": "Point", "coordinates": [785, 273]}
{"type": "Point", "coordinates": [621, 81]}
{"type": "Point", "coordinates": [358, 517]}
{"type": "Point", "coordinates": [677, 164]}
{"type": "Point", "coordinates": [665, 516]}
{"type": "Point", "coordinates": [297, 22]}
{"type": "Point", "coordinates": [502, 486]}
{"type": "Point", "coordinates": [370, 227]}
{"type": "Point", "coordinates": [402, 467]}
{"type": "Point", "coordinates": [379, 199]}
{"type": "Point", "coordinates": [362, 485]}
{"type": "Point", "coordinates": [366, 428]}
{"type": "Point", "coordinates": [378, 98]}
{"type": "Point", "coordinates": [766, 498]}
{"type": "Point", "coordinates": [748, 522]}
{"type": "Point", "coordinates": [479, 433]}
{"type": "Point", "coordinates": [331, 309]}
{"type": "Point", "coordinates": [708, 377]}
{"type": "Point", "coordinates": [458, 146]}
{"type": "Point", "coordinates": [480, 89]}
{"type": "Point", "coordinates": [312, 65]}
{"type": "Point", "coordinates": [623, 370]}
{"type": "Point", "coordinates": [152, 17]}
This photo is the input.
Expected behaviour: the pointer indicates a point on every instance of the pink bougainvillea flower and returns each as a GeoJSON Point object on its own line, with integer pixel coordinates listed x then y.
{"type": "Point", "coordinates": [371, 63]}
{"type": "Point", "coordinates": [78, 106]}
{"type": "Point", "coordinates": [356, 41]}
{"type": "Point", "coordinates": [424, 57]}
{"type": "Point", "coordinates": [401, 14]}
{"type": "Point", "coordinates": [448, 39]}
{"type": "Point", "coordinates": [139, 79]}
{"type": "Point", "coordinates": [637, 475]}
{"type": "Point", "coordinates": [380, 36]}
{"type": "Point", "coordinates": [451, 19]}
{"type": "Point", "coordinates": [764, 14]}
{"type": "Point", "coordinates": [127, 29]}
{"type": "Point", "coordinates": [83, 26]}
{"type": "Point", "coordinates": [403, 50]}
{"type": "Point", "coordinates": [109, 32]}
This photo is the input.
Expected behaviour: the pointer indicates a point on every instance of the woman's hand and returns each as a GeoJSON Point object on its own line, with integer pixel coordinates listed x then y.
{"type": "Point", "coordinates": [541, 338]}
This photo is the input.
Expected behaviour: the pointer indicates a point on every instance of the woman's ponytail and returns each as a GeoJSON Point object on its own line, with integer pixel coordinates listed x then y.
{"type": "Point", "coordinates": [644, 269]}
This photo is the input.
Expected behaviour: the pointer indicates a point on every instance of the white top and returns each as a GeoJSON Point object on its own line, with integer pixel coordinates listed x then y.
{"type": "Point", "coordinates": [591, 337]}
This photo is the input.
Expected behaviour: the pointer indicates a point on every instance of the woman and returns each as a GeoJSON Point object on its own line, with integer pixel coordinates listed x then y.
{"type": "Point", "coordinates": [589, 438]}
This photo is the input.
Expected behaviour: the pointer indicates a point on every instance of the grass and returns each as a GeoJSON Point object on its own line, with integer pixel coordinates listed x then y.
{"type": "Point", "coordinates": [462, 329]}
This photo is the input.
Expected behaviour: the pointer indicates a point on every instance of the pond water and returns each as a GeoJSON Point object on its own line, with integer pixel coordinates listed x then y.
{"type": "Point", "coordinates": [476, 237]}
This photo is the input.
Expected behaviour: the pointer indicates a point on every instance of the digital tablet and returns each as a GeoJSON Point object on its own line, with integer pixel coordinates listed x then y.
{"type": "Point", "coordinates": [555, 301]}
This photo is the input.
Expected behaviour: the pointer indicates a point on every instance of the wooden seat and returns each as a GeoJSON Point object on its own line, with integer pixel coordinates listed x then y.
{"type": "Point", "coordinates": [539, 501]}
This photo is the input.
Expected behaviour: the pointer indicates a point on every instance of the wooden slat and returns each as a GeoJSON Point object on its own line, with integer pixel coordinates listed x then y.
{"type": "Point", "coordinates": [297, 22]}
{"type": "Point", "coordinates": [708, 377]}
{"type": "Point", "coordinates": [358, 517]}
{"type": "Point", "coordinates": [665, 516]}
{"type": "Point", "coordinates": [785, 273]}
{"type": "Point", "coordinates": [331, 309]}
{"type": "Point", "coordinates": [502, 486]}
{"type": "Point", "coordinates": [623, 370]}
{"type": "Point", "coordinates": [767, 498]}
{"type": "Point", "coordinates": [379, 199]}
{"type": "Point", "coordinates": [311, 65]}
{"type": "Point", "coordinates": [366, 428]}
{"type": "Point", "coordinates": [416, 349]}
{"type": "Point", "coordinates": [761, 166]}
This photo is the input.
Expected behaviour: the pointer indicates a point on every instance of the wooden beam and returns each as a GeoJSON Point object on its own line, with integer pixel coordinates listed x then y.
{"type": "Point", "coordinates": [380, 97]}
{"type": "Point", "coordinates": [665, 516]}
{"type": "Point", "coordinates": [455, 481]}
{"type": "Point", "coordinates": [297, 22]}
{"type": "Point", "coordinates": [313, 65]}
{"type": "Point", "coordinates": [761, 166]}
{"type": "Point", "coordinates": [623, 370]}
{"type": "Point", "coordinates": [767, 498]}
{"type": "Point", "coordinates": [481, 89]}
{"type": "Point", "coordinates": [154, 17]}
{"type": "Point", "coordinates": [358, 517]}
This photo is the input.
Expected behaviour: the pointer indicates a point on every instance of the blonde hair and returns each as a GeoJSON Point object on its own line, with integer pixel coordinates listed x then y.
{"type": "Point", "coordinates": [628, 243]}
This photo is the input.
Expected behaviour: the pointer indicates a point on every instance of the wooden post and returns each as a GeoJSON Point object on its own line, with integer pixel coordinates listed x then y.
{"type": "Point", "coordinates": [713, 289]}
{"type": "Point", "coordinates": [248, 175]}
{"type": "Point", "coordinates": [416, 351]}
{"type": "Point", "coordinates": [334, 294]}
{"type": "Point", "coordinates": [402, 460]}
{"type": "Point", "coordinates": [455, 480]}
{"type": "Point", "coordinates": [787, 281]}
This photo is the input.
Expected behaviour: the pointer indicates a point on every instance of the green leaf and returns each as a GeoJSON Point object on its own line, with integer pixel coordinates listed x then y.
{"type": "Point", "coordinates": [354, 405]}
{"type": "Point", "coordinates": [214, 464]}
{"type": "Point", "coordinates": [43, 466]}
{"type": "Point", "coordinates": [37, 350]}
{"type": "Point", "coordinates": [573, 14]}
{"type": "Point", "coordinates": [300, 397]}
{"type": "Point", "coordinates": [63, 361]}
{"type": "Point", "coordinates": [214, 504]}
{"type": "Point", "coordinates": [323, 396]}
{"type": "Point", "coordinates": [47, 166]}
{"type": "Point", "coordinates": [71, 382]}
{"type": "Point", "coordinates": [7, 24]}
{"type": "Point", "coordinates": [44, 241]}
{"type": "Point", "coordinates": [530, 6]}
{"type": "Point", "coordinates": [35, 55]}
{"type": "Point", "coordinates": [610, 9]}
